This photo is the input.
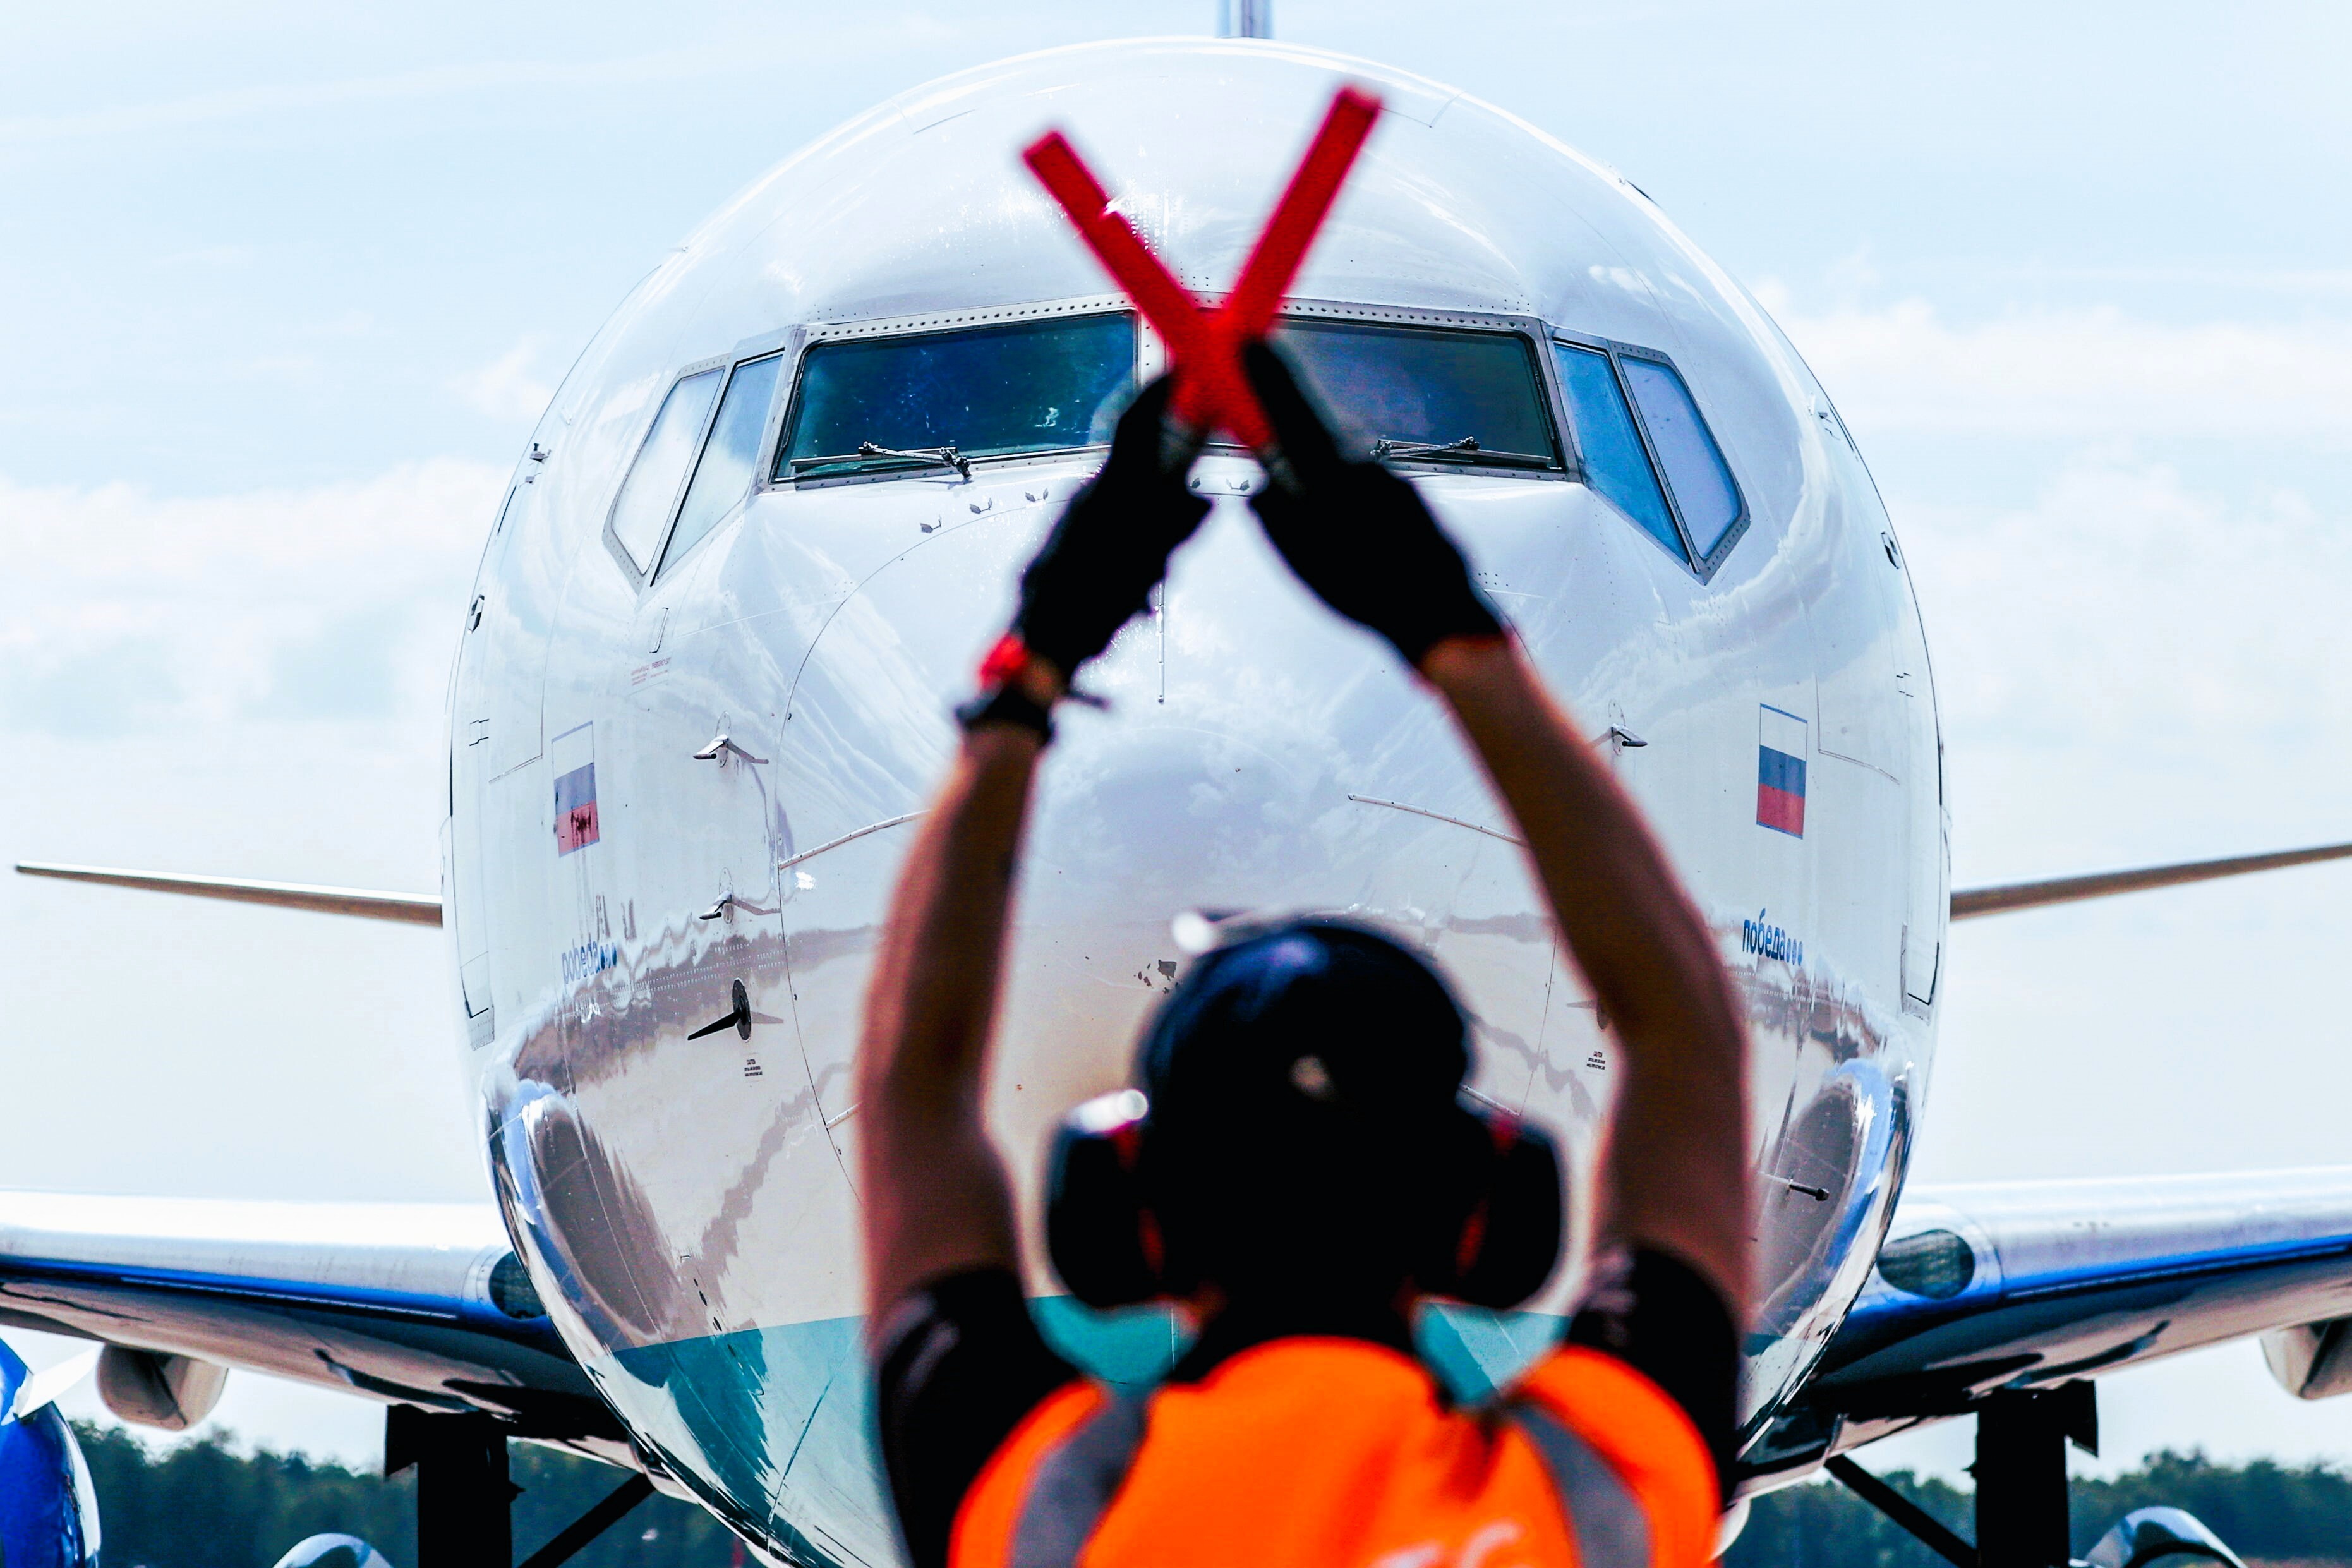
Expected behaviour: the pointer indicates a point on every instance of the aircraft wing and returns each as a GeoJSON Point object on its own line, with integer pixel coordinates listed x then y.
{"type": "Point", "coordinates": [420, 1304]}
{"type": "Point", "coordinates": [2019, 1285]}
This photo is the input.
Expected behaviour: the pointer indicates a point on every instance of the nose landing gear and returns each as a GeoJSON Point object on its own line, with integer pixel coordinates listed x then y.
{"type": "Point", "coordinates": [464, 1497]}
{"type": "Point", "coordinates": [2021, 1506]}
{"type": "Point", "coordinates": [2021, 1469]}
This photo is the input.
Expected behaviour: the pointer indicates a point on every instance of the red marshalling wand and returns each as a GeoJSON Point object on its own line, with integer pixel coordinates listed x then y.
{"type": "Point", "coordinates": [1205, 341]}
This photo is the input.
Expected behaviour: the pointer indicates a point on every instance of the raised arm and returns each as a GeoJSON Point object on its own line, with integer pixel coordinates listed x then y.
{"type": "Point", "coordinates": [1678, 1163]}
{"type": "Point", "coordinates": [1675, 1175]}
{"type": "Point", "coordinates": [935, 1195]}
{"type": "Point", "coordinates": [934, 1199]}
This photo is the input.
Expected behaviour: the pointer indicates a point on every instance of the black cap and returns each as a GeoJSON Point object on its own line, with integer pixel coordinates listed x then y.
{"type": "Point", "coordinates": [1303, 1085]}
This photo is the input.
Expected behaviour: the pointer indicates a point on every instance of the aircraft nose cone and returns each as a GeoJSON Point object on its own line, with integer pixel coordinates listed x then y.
{"type": "Point", "coordinates": [1256, 753]}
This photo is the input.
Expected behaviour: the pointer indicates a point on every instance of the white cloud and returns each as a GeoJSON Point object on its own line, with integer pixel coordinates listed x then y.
{"type": "Point", "coordinates": [729, 55]}
{"type": "Point", "coordinates": [2121, 604]}
{"type": "Point", "coordinates": [2233, 279]}
{"type": "Point", "coordinates": [506, 388]}
{"type": "Point", "coordinates": [2128, 664]}
{"type": "Point", "coordinates": [2077, 372]}
{"type": "Point", "coordinates": [122, 609]}
{"type": "Point", "coordinates": [432, 81]}
{"type": "Point", "coordinates": [2132, 662]}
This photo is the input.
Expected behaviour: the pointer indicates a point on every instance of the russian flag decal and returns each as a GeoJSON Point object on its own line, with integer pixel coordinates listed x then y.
{"type": "Point", "coordinates": [1780, 755]}
{"type": "Point", "coordinates": [573, 753]}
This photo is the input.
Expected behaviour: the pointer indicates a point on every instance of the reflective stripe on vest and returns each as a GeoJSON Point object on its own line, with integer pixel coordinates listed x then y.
{"type": "Point", "coordinates": [1646, 1439]}
{"type": "Point", "coordinates": [1611, 1530]}
{"type": "Point", "coordinates": [1076, 1478]}
{"type": "Point", "coordinates": [1330, 1453]}
{"type": "Point", "coordinates": [1072, 1485]}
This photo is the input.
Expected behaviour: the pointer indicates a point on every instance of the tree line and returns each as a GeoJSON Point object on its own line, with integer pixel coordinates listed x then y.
{"type": "Point", "coordinates": [2264, 1511]}
{"type": "Point", "coordinates": [205, 1505]}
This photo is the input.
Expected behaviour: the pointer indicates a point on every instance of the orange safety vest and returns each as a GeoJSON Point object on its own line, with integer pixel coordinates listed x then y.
{"type": "Point", "coordinates": [1338, 1453]}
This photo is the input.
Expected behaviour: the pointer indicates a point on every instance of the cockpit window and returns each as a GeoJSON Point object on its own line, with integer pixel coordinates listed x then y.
{"type": "Point", "coordinates": [938, 400]}
{"type": "Point", "coordinates": [642, 511]}
{"type": "Point", "coordinates": [1611, 444]}
{"type": "Point", "coordinates": [723, 477]}
{"type": "Point", "coordinates": [1696, 472]}
{"type": "Point", "coordinates": [1423, 395]}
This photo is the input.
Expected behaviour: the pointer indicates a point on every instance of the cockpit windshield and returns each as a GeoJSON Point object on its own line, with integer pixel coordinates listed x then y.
{"type": "Point", "coordinates": [937, 400]}
{"type": "Point", "coordinates": [1419, 395]}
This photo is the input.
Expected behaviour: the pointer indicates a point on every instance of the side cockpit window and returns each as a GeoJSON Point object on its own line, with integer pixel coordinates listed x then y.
{"type": "Point", "coordinates": [1695, 471]}
{"type": "Point", "coordinates": [1646, 448]}
{"type": "Point", "coordinates": [643, 508]}
{"type": "Point", "coordinates": [723, 477]}
{"type": "Point", "coordinates": [1615, 464]}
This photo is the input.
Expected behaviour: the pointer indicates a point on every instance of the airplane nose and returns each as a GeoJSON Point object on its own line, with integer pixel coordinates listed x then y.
{"type": "Point", "coordinates": [1254, 753]}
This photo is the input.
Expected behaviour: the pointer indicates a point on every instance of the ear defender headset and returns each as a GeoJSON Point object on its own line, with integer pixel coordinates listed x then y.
{"type": "Point", "coordinates": [1278, 1050]}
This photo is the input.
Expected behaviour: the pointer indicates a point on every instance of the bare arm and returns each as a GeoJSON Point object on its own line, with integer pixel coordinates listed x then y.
{"type": "Point", "coordinates": [1675, 1176]}
{"type": "Point", "coordinates": [935, 1194]}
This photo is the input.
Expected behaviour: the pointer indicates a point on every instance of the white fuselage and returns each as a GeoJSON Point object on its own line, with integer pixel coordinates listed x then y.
{"type": "Point", "coordinates": [687, 1207]}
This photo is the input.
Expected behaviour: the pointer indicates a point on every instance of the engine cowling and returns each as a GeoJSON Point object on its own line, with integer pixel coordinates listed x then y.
{"type": "Point", "coordinates": [49, 1512]}
{"type": "Point", "coordinates": [148, 1388]}
{"type": "Point", "coordinates": [2311, 1361]}
{"type": "Point", "coordinates": [332, 1551]}
{"type": "Point", "coordinates": [2146, 1537]}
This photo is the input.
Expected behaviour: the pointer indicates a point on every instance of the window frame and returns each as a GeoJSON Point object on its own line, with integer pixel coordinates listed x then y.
{"type": "Point", "coordinates": [1703, 567]}
{"type": "Point", "coordinates": [643, 576]}
{"type": "Point", "coordinates": [760, 450]}
{"type": "Point", "coordinates": [794, 343]}
{"type": "Point", "coordinates": [820, 333]}
{"type": "Point", "coordinates": [784, 341]}
{"type": "Point", "coordinates": [1535, 336]}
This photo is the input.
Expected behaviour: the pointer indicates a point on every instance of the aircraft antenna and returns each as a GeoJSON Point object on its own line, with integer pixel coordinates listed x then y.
{"type": "Point", "coordinates": [1245, 18]}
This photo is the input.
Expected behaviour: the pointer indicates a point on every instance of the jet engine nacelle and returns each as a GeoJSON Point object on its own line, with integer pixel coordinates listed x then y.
{"type": "Point", "coordinates": [148, 1388]}
{"type": "Point", "coordinates": [49, 1512]}
{"type": "Point", "coordinates": [2312, 1361]}
{"type": "Point", "coordinates": [2148, 1536]}
{"type": "Point", "coordinates": [332, 1551]}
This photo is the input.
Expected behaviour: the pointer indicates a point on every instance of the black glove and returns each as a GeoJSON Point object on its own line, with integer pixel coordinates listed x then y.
{"type": "Point", "coordinates": [1100, 563]}
{"type": "Point", "coordinates": [1357, 535]}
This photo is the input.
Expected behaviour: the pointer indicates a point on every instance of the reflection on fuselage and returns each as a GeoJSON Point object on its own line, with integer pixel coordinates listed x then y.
{"type": "Point", "coordinates": [743, 733]}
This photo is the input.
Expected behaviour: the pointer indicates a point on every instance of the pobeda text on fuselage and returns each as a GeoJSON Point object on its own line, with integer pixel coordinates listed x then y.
{"type": "Point", "coordinates": [773, 516]}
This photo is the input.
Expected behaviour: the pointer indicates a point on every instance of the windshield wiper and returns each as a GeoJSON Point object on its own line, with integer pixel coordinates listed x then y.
{"type": "Point", "coordinates": [1388, 450]}
{"type": "Point", "coordinates": [938, 456]}
{"type": "Point", "coordinates": [871, 452]}
{"type": "Point", "coordinates": [1388, 447]}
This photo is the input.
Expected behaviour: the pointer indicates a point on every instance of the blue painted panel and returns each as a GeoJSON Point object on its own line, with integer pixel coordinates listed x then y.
{"type": "Point", "coordinates": [48, 1518]}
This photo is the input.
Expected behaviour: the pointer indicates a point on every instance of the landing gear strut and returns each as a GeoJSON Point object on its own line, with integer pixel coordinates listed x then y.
{"type": "Point", "coordinates": [2020, 1472]}
{"type": "Point", "coordinates": [464, 1499]}
{"type": "Point", "coordinates": [463, 1495]}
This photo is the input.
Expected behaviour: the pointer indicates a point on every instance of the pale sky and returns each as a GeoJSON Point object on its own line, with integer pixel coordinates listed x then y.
{"type": "Point", "coordinates": [282, 288]}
